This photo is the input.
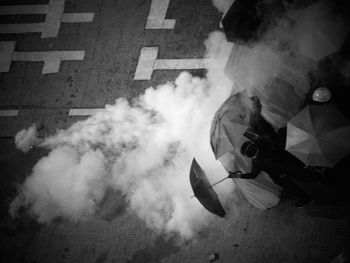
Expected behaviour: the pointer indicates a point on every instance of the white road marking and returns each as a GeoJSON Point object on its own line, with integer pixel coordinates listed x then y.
{"type": "Point", "coordinates": [156, 17]}
{"type": "Point", "coordinates": [54, 18]}
{"type": "Point", "coordinates": [148, 62]}
{"type": "Point", "coordinates": [8, 113]}
{"type": "Point", "coordinates": [192, 63]}
{"type": "Point", "coordinates": [84, 112]}
{"type": "Point", "coordinates": [145, 65]}
{"type": "Point", "coordinates": [72, 112]}
{"type": "Point", "coordinates": [77, 17]}
{"type": "Point", "coordinates": [23, 9]}
{"type": "Point", "coordinates": [52, 59]}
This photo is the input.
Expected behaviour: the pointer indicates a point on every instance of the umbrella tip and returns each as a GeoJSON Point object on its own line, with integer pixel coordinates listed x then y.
{"type": "Point", "coordinates": [213, 257]}
{"type": "Point", "coordinates": [220, 213]}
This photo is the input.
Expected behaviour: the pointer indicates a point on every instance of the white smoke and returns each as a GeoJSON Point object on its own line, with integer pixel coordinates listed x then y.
{"type": "Point", "coordinates": [279, 67]}
{"type": "Point", "coordinates": [142, 148]}
{"type": "Point", "coordinates": [26, 138]}
{"type": "Point", "coordinates": [65, 183]}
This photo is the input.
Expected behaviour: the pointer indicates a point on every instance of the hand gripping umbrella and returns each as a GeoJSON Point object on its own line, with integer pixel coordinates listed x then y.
{"type": "Point", "coordinates": [319, 135]}
{"type": "Point", "coordinates": [204, 191]}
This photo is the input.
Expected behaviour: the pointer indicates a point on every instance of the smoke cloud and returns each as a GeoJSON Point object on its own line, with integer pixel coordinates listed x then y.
{"type": "Point", "coordinates": [143, 148]}
{"type": "Point", "coordinates": [26, 138]}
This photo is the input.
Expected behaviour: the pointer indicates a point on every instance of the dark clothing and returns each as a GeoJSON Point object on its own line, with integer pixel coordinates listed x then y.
{"type": "Point", "coordinates": [280, 166]}
{"type": "Point", "coordinates": [272, 158]}
{"type": "Point", "coordinates": [259, 126]}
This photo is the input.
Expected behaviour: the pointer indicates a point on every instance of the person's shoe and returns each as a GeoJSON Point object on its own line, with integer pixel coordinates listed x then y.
{"type": "Point", "coordinates": [303, 202]}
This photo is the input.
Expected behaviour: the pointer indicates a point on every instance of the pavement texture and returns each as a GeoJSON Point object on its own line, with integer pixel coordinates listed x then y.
{"type": "Point", "coordinates": [112, 42]}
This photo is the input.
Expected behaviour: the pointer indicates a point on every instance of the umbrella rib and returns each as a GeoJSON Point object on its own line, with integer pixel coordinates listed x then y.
{"type": "Point", "coordinates": [195, 172]}
{"type": "Point", "coordinates": [211, 186]}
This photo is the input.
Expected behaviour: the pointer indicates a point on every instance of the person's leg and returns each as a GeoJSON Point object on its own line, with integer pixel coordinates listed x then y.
{"type": "Point", "coordinates": [289, 185]}
{"type": "Point", "coordinates": [297, 170]}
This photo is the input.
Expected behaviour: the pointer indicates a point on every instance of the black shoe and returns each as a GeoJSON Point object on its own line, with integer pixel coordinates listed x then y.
{"type": "Point", "coordinates": [303, 202]}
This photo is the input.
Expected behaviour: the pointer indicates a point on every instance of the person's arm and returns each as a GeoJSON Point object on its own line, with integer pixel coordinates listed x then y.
{"type": "Point", "coordinates": [256, 169]}
{"type": "Point", "coordinates": [239, 174]}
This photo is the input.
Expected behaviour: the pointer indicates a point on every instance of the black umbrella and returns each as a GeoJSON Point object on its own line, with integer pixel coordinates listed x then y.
{"type": "Point", "coordinates": [204, 191]}
{"type": "Point", "coordinates": [319, 135]}
{"type": "Point", "coordinates": [241, 21]}
{"type": "Point", "coordinates": [245, 19]}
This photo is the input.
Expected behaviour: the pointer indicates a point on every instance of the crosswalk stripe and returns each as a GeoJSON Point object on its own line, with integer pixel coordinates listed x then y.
{"type": "Point", "coordinates": [8, 113]}
{"type": "Point", "coordinates": [148, 62]}
{"type": "Point", "coordinates": [54, 17]}
{"type": "Point", "coordinates": [23, 9]}
{"type": "Point", "coordinates": [156, 18]}
{"type": "Point", "coordinates": [84, 112]}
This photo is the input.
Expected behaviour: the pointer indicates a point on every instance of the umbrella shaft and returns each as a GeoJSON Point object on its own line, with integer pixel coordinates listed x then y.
{"type": "Point", "coordinates": [218, 182]}
{"type": "Point", "coordinates": [211, 186]}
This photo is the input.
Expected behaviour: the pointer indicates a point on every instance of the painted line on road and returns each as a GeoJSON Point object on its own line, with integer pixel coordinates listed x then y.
{"type": "Point", "coordinates": [148, 62]}
{"type": "Point", "coordinates": [8, 113]}
{"type": "Point", "coordinates": [54, 18]}
{"type": "Point", "coordinates": [156, 17]}
{"type": "Point", "coordinates": [52, 59]}
{"type": "Point", "coordinates": [85, 112]}
{"type": "Point", "coordinates": [72, 112]}
{"type": "Point", "coordinates": [23, 9]}
{"type": "Point", "coordinates": [77, 17]}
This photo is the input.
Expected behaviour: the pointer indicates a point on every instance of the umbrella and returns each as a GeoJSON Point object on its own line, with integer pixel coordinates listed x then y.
{"type": "Point", "coordinates": [229, 124]}
{"type": "Point", "coordinates": [246, 20]}
{"type": "Point", "coordinates": [320, 32]}
{"type": "Point", "coordinates": [319, 135]}
{"type": "Point", "coordinates": [241, 21]}
{"type": "Point", "coordinates": [270, 76]}
{"type": "Point", "coordinates": [204, 191]}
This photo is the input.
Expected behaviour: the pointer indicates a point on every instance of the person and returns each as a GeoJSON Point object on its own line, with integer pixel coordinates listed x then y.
{"type": "Point", "coordinates": [260, 128]}
{"type": "Point", "coordinates": [277, 164]}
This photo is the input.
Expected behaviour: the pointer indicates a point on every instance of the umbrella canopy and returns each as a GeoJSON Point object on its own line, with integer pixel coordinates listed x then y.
{"type": "Point", "coordinates": [319, 135]}
{"type": "Point", "coordinates": [204, 191]}
{"type": "Point", "coordinates": [247, 20]}
{"type": "Point", "coordinates": [279, 84]}
{"type": "Point", "coordinates": [241, 21]}
{"type": "Point", "coordinates": [320, 31]}
{"type": "Point", "coordinates": [229, 124]}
